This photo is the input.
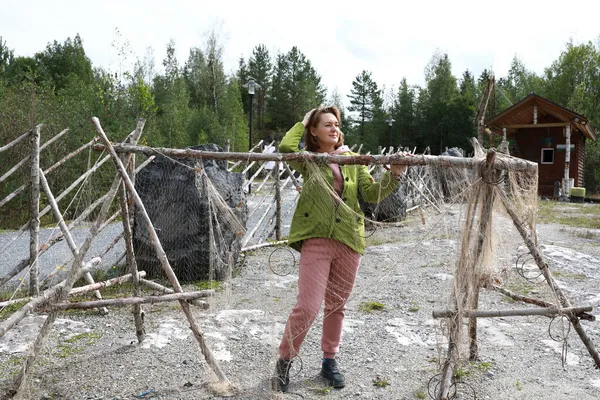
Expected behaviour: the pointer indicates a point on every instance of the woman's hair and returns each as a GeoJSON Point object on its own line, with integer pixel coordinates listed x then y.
{"type": "Point", "coordinates": [310, 141]}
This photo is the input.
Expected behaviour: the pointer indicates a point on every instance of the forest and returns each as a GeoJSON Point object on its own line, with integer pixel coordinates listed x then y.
{"type": "Point", "coordinates": [194, 101]}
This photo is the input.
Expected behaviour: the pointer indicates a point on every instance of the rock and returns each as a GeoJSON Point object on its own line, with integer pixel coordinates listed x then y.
{"type": "Point", "coordinates": [174, 195]}
{"type": "Point", "coordinates": [390, 209]}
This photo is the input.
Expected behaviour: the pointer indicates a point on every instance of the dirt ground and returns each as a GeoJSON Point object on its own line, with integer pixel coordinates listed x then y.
{"type": "Point", "coordinates": [392, 353]}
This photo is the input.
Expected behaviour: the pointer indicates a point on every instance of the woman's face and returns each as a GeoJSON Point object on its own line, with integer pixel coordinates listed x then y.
{"type": "Point", "coordinates": [327, 132]}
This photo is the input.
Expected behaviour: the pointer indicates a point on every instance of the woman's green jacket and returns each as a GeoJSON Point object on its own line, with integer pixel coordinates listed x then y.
{"type": "Point", "coordinates": [319, 213]}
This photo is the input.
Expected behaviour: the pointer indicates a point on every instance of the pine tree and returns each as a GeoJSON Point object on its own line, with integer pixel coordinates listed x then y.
{"type": "Point", "coordinates": [260, 68]}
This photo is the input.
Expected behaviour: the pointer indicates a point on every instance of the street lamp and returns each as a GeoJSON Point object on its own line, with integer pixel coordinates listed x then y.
{"type": "Point", "coordinates": [252, 85]}
{"type": "Point", "coordinates": [390, 121]}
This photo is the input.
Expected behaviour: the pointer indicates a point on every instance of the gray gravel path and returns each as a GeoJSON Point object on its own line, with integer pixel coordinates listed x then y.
{"type": "Point", "coordinates": [408, 269]}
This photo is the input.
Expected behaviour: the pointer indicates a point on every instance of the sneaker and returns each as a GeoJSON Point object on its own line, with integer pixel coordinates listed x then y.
{"type": "Point", "coordinates": [331, 371]}
{"type": "Point", "coordinates": [281, 381]}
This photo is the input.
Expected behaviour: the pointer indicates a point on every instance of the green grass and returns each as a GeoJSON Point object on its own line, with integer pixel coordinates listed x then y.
{"type": "Point", "coordinates": [11, 308]}
{"type": "Point", "coordinates": [568, 275]}
{"type": "Point", "coordinates": [371, 306]}
{"type": "Point", "coordinates": [381, 382]}
{"type": "Point", "coordinates": [569, 214]}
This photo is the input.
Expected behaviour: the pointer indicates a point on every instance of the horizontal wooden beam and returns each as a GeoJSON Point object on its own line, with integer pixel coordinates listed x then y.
{"type": "Point", "coordinates": [515, 164]}
{"type": "Point", "coordinates": [513, 313]}
{"type": "Point", "coordinates": [545, 125]}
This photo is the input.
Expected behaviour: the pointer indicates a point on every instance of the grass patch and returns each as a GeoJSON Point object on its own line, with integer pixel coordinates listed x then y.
{"type": "Point", "coordinates": [381, 382]}
{"type": "Point", "coordinates": [208, 285]}
{"type": "Point", "coordinates": [371, 306]}
{"type": "Point", "coordinates": [569, 214]}
{"type": "Point", "coordinates": [414, 307]}
{"type": "Point", "coordinates": [7, 311]}
{"type": "Point", "coordinates": [568, 275]}
{"type": "Point", "coordinates": [76, 344]}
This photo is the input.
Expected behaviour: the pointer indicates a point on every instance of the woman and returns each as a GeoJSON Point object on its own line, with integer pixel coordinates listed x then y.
{"type": "Point", "coordinates": [328, 230]}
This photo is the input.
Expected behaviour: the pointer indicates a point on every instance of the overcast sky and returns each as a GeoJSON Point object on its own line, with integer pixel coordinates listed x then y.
{"type": "Point", "coordinates": [392, 39]}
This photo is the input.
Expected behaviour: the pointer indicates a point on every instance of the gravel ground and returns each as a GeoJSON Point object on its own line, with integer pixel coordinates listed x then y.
{"type": "Point", "coordinates": [408, 269]}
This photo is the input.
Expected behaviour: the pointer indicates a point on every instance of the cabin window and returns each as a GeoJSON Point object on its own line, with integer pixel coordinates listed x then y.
{"type": "Point", "coordinates": [548, 156]}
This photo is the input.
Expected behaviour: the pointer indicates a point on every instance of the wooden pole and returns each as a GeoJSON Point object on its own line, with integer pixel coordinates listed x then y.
{"type": "Point", "coordinates": [485, 222]}
{"type": "Point", "coordinates": [51, 169]}
{"type": "Point", "coordinates": [551, 311]}
{"type": "Point", "coordinates": [530, 239]}
{"type": "Point", "coordinates": [165, 290]}
{"type": "Point", "coordinates": [161, 255]}
{"type": "Point", "coordinates": [23, 161]}
{"type": "Point", "coordinates": [83, 289]}
{"type": "Point", "coordinates": [515, 164]}
{"type": "Point", "coordinates": [127, 206]}
{"type": "Point", "coordinates": [278, 197]}
{"type": "Point", "coordinates": [104, 284]}
{"type": "Point", "coordinates": [15, 142]}
{"type": "Point", "coordinates": [34, 211]}
{"type": "Point", "coordinates": [127, 301]}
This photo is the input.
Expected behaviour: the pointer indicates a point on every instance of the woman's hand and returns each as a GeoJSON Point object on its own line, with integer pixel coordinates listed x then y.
{"type": "Point", "coordinates": [307, 117]}
{"type": "Point", "coordinates": [398, 169]}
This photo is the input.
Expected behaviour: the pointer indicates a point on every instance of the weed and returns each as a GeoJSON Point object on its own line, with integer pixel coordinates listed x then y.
{"type": "Point", "coordinates": [381, 382]}
{"type": "Point", "coordinates": [371, 306]}
{"type": "Point", "coordinates": [419, 394]}
{"type": "Point", "coordinates": [519, 385]}
{"type": "Point", "coordinates": [5, 312]}
{"type": "Point", "coordinates": [460, 373]}
{"type": "Point", "coordinates": [414, 307]}
{"type": "Point", "coordinates": [567, 275]}
{"type": "Point", "coordinates": [208, 285]}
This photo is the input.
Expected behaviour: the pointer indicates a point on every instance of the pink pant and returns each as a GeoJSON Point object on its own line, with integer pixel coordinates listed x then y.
{"type": "Point", "coordinates": [327, 270]}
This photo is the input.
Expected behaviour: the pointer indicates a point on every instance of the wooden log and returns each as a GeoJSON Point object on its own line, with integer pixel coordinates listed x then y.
{"type": "Point", "coordinates": [51, 169]}
{"type": "Point", "coordinates": [485, 223]}
{"type": "Point", "coordinates": [278, 200]}
{"type": "Point", "coordinates": [67, 234]}
{"type": "Point", "coordinates": [82, 289]}
{"type": "Point", "coordinates": [23, 161]}
{"type": "Point", "coordinates": [515, 164]}
{"type": "Point", "coordinates": [261, 245]}
{"type": "Point", "coordinates": [518, 297]}
{"type": "Point", "coordinates": [15, 142]}
{"type": "Point", "coordinates": [34, 211]}
{"type": "Point", "coordinates": [240, 161]}
{"type": "Point", "coordinates": [101, 285]}
{"type": "Point", "coordinates": [127, 301]}
{"type": "Point", "coordinates": [138, 317]}
{"type": "Point", "coordinates": [530, 239]}
{"type": "Point", "coordinates": [165, 290]}
{"type": "Point", "coordinates": [550, 311]}
{"type": "Point", "coordinates": [161, 255]}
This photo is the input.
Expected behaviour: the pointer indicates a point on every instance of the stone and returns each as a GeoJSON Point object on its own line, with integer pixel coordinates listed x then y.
{"type": "Point", "coordinates": [175, 197]}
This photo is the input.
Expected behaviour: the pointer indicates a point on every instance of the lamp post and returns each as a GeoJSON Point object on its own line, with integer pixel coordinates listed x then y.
{"type": "Point", "coordinates": [390, 121]}
{"type": "Point", "coordinates": [252, 85]}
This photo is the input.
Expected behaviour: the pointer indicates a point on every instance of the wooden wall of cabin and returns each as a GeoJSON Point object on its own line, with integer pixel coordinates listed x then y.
{"type": "Point", "coordinates": [531, 141]}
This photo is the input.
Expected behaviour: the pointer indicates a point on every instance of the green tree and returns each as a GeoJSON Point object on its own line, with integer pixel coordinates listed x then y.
{"type": "Point", "coordinates": [260, 68]}
{"type": "Point", "coordinates": [63, 62]}
{"type": "Point", "coordinates": [403, 129]}
{"type": "Point", "coordinates": [364, 97]}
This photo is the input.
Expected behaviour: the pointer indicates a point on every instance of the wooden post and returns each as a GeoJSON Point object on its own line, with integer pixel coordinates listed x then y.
{"type": "Point", "coordinates": [34, 212]}
{"type": "Point", "coordinates": [530, 240]}
{"type": "Point", "coordinates": [278, 199]}
{"type": "Point", "coordinates": [567, 180]}
{"type": "Point", "coordinates": [127, 211]}
{"type": "Point", "coordinates": [162, 257]}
